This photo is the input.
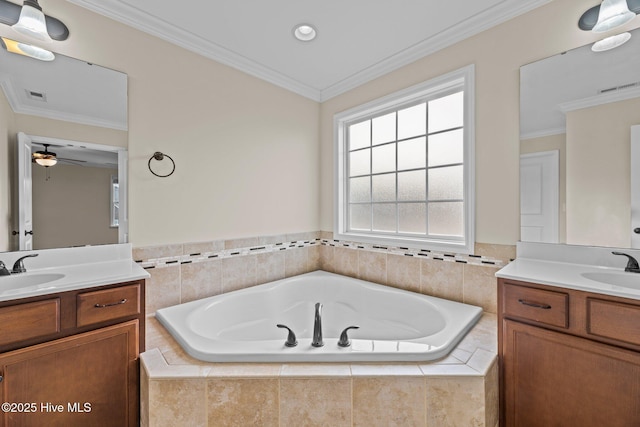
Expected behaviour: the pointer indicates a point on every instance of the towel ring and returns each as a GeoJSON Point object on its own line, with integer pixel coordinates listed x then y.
{"type": "Point", "coordinates": [159, 157]}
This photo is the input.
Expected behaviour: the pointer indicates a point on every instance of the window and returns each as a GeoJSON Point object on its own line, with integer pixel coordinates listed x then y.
{"type": "Point", "coordinates": [405, 167]}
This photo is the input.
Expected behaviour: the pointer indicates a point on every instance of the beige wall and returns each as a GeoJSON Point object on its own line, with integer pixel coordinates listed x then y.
{"type": "Point", "coordinates": [73, 207]}
{"type": "Point", "coordinates": [497, 54]}
{"type": "Point", "coordinates": [598, 174]}
{"type": "Point", "coordinates": [552, 143]}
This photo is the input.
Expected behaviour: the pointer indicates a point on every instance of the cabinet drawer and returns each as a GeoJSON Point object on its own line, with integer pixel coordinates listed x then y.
{"type": "Point", "coordinates": [613, 320]}
{"type": "Point", "coordinates": [547, 307]}
{"type": "Point", "coordinates": [108, 304]}
{"type": "Point", "coordinates": [31, 320]}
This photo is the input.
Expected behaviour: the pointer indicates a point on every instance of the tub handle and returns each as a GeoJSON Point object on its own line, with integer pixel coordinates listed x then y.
{"type": "Point", "coordinates": [291, 338]}
{"type": "Point", "coordinates": [344, 339]}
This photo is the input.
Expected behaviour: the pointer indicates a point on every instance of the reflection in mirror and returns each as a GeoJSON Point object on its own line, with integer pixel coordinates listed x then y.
{"type": "Point", "coordinates": [579, 108]}
{"type": "Point", "coordinates": [74, 98]}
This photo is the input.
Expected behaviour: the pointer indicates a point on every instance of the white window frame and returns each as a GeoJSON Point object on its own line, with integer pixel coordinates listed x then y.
{"type": "Point", "coordinates": [463, 79]}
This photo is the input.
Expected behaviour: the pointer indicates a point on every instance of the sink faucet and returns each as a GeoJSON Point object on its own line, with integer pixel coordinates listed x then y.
{"type": "Point", "coordinates": [632, 264]}
{"type": "Point", "coordinates": [3, 269]}
{"type": "Point", "coordinates": [18, 266]}
{"type": "Point", "coordinates": [317, 327]}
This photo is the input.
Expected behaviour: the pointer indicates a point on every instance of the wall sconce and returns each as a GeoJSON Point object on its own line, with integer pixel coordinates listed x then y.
{"type": "Point", "coordinates": [25, 49]}
{"type": "Point", "coordinates": [15, 16]}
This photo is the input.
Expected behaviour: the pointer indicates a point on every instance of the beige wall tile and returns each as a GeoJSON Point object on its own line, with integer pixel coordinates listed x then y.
{"type": "Point", "coordinates": [442, 279]}
{"type": "Point", "coordinates": [327, 254]}
{"type": "Point", "coordinates": [203, 247]}
{"type": "Point", "coordinates": [177, 403]}
{"type": "Point", "coordinates": [306, 235]}
{"type": "Point", "coordinates": [163, 288]}
{"type": "Point", "coordinates": [315, 402]}
{"type": "Point", "coordinates": [390, 401]}
{"type": "Point", "coordinates": [155, 252]}
{"type": "Point", "coordinates": [326, 235]}
{"type": "Point", "coordinates": [245, 242]}
{"type": "Point", "coordinates": [501, 252]}
{"type": "Point", "coordinates": [491, 396]}
{"type": "Point", "coordinates": [144, 397]}
{"type": "Point", "coordinates": [242, 402]}
{"type": "Point", "coordinates": [314, 257]}
{"type": "Point", "coordinates": [345, 261]}
{"type": "Point", "coordinates": [481, 287]}
{"type": "Point", "coordinates": [372, 266]}
{"type": "Point", "coordinates": [295, 261]}
{"type": "Point", "coordinates": [270, 266]}
{"type": "Point", "coordinates": [404, 272]}
{"type": "Point", "coordinates": [201, 279]}
{"type": "Point", "coordinates": [455, 401]}
{"type": "Point", "coordinates": [238, 272]}
{"type": "Point", "coordinates": [272, 240]}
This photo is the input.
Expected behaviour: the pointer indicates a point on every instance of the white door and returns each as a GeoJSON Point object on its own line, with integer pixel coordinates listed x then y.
{"type": "Point", "coordinates": [123, 212]}
{"type": "Point", "coordinates": [539, 189]}
{"type": "Point", "coordinates": [635, 186]}
{"type": "Point", "coordinates": [25, 218]}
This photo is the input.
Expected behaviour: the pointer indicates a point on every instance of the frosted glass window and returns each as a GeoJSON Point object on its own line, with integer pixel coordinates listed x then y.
{"type": "Point", "coordinates": [412, 121]}
{"type": "Point", "coordinates": [446, 112]}
{"type": "Point", "coordinates": [360, 217]}
{"type": "Point", "coordinates": [412, 185]}
{"type": "Point", "coordinates": [360, 135]}
{"type": "Point", "coordinates": [360, 162]}
{"type": "Point", "coordinates": [446, 183]}
{"type": "Point", "coordinates": [384, 187]}
{"type": "Point", "coordinates": [384, 158]}
{"type": "Point", "coordinates": [401, 167]}
{"type": "Point", "coordinates": [446, 148]}
{"type": "Point", "coordinates": [384, 217]}
{"type": "Point", "coordinates": [384, 129]}
{"type": "Point", "coordinates": [412, 154]}
{"type": "Point", "coordinates": [360, 189]}
{"type": "Point", "coordinates": [412, 218]}
{"type": "Point", "coordinates": [446, 219]}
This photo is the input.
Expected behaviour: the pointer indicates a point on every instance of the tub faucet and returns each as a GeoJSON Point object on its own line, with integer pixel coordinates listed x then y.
{"type": "Point", "coordinates": [632, 264]}
{"type": "Point", "coordinates": [317, 327]}
{"type": "Point", "coordinates": [3, 269]}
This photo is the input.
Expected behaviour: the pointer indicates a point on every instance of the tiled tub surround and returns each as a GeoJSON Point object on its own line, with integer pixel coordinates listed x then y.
{"type": "Point", "coordinates": [459, 390]}
{"type": "Point", "coordinates": [190, 271]}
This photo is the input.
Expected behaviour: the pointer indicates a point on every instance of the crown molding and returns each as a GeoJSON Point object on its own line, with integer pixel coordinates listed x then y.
{"type": "Point", "coordinates": [603, 98]}
{"type": "Point", "coordinates": [543, 133]}
{"type": "Point", "coordinates": [142, 21]}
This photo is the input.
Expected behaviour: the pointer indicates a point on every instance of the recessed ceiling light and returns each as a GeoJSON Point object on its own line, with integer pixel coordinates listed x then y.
{"type": "Point", "coordinates": [304, 32]}
{"type": "Point", "coordinates": [611, 42]}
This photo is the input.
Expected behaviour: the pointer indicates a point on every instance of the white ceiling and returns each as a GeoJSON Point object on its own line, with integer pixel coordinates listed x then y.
{"type": "Point", "coordinates": [358, 40]}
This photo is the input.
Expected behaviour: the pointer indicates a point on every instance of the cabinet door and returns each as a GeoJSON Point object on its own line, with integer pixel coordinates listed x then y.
{"type": "Point", "coordinates": [554, 379]}
{"type": "Point", "coordinates": [88, 379]}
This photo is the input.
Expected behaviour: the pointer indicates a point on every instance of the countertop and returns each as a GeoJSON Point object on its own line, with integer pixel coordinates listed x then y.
{"type": "Point", "coordinates": [78, 268]}
{"type": "Point", "coordinates": [572, 276]}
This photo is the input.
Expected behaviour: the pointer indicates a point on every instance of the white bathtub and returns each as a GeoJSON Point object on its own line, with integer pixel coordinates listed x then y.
{"type": "Point", "coordinates": [395, 325]}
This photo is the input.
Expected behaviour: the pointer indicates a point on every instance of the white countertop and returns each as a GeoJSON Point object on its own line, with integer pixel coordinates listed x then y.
{"type": "Point", "coordinates": [79, 268]}
{"type": "Point", "coordinates": [572, 276]}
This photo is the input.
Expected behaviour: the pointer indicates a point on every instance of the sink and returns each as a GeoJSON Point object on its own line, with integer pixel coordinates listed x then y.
{"type": "Point", "coordinates": [626, 280]}
{"type": "Point", "coordinates": [21, 281]}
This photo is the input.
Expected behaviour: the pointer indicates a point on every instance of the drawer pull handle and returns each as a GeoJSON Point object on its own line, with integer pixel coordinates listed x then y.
{"type": "Point", "coordinates": [534, 304]}
{"type": "Point", "coordinates": [122, 301]}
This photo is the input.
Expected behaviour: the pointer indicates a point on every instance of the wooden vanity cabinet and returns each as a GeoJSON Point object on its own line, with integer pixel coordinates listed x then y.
{"type": "Point", "coordinates": [75, 359]}
{"type": "Point", "coordinates": [567, 358]}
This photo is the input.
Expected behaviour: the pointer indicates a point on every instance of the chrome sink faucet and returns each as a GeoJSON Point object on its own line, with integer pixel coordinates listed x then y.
{"type": "Point", "coordinates": [632, 264]}
{"type": "Point", "coordinates": [18, 266]}
{"type": "Point", "coordinates": [317, 327]}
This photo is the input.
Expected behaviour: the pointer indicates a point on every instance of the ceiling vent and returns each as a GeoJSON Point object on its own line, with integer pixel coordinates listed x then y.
{"type": "Point", "coordinates": [36, 96]}
{"type": "Point", "coordinates": [621, 87]}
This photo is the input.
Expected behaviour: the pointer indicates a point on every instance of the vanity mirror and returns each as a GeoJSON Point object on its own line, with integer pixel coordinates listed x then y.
{"type": "Point", "coordinates": [578, 110]}
{"type": "Point", "coordinates": [82, 198]}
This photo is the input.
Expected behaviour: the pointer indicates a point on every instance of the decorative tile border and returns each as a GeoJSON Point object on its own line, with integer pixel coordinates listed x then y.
{"type": "Point", "coordinates": [295, 244]}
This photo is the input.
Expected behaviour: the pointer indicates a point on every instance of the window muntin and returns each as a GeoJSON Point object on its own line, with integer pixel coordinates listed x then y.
{"type": "Point", "coordinates": [406, 167]}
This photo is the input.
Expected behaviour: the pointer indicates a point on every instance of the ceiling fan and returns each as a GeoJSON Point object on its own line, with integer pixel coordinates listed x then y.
{"type": "Point", "coordinates": [48, 158]}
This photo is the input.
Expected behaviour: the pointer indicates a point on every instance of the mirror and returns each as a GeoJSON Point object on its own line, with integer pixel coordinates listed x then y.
{"type": "Point", "coordinates": [577, 111]}
{"type": "Point", "coordinates": [88, 104]}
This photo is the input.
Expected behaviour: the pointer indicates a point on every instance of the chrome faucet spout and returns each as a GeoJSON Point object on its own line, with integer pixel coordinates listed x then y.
{"type": "Point", "coordinates": [317, 327]}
